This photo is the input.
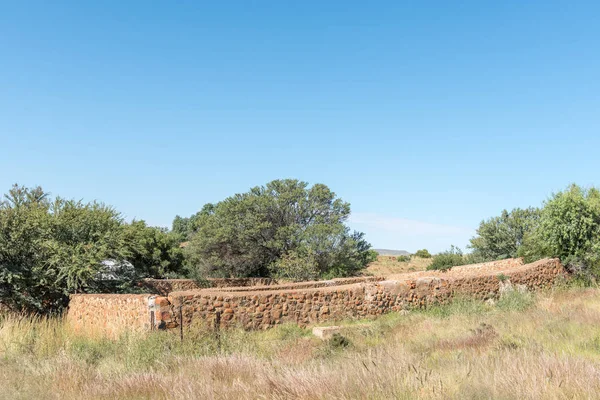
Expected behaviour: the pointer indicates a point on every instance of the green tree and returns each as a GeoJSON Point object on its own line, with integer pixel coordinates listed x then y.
{"type": "Point", "coordinates": [295, 267]}
{"type": "Point", "coordinates": [569, 229]}
{"type": "Point", "coordinates": [501, 237]}
{"type": "Point", "coordinates": [423, 253]}
{"type": "Point", "coordinates": [49, 249]}
{"type": "Point", "coordinates": [182, 227]}
{"type": "Point", "coordinates": [154, 252]}
{"type": "Point", "coordinates": [186, 227]}
{"type": "Point", "coordinates": [285, 221]}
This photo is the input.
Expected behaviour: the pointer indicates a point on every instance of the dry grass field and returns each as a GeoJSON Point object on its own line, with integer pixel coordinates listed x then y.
{"type": "Point", "coordinates": [544, 346]}
{"type": "Point", "coordinates": [389, 265]}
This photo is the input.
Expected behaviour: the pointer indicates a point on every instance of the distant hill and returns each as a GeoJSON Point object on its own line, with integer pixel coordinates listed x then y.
{"type": "Point", "coordinates": [386, 252]}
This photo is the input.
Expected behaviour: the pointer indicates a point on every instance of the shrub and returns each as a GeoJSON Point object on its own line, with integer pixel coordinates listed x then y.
{"type": "Point", "coordinates": [369, 256]}
{"type": "Point", "coordinates": [584, 272]}
{"type": "Point", "coordinates": [424, 253]}
{"type": "Point", "coordinates": [569, 229]}
{"type": "Point", "coordinates": [403, 258]}
{"type": "Point", "coordinates": [447, 259]}
{"type": "Point", "coordinates": [500, 237]}
{"type": "Point", "coordinates": [50, 248]}
{"type": "Point", "coordinates": [155, 252]}
{"type": "Point", "coordinates": [338, 341]}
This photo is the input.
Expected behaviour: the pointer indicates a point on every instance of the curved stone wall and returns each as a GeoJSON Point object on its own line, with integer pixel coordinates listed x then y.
{"type": "Point", "coordinates": [316, 302]}
{"type": "Point", "coordinates": [166, 286]}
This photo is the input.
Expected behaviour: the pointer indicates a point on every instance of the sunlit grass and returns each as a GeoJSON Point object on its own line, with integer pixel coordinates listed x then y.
{"type": "Point", "coordinates": [524, 346]}
{"type": "Point", "coordinates": [389, 265]}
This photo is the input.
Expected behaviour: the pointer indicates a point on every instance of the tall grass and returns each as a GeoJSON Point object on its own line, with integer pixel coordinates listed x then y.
{"type": "Point", "coordinates": [528, 347]}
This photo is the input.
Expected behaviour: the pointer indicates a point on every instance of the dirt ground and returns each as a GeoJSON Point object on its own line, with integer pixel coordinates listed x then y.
{"type": "Point", "coordinates": [389, 265]}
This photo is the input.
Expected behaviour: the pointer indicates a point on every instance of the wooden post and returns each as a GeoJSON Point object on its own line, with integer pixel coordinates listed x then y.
{"type": "Point", "coordinates": [181, 322]}
{"type": "Point", "coordinates": [218, 329]}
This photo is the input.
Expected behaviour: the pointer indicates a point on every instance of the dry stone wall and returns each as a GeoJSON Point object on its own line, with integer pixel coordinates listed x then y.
{"type": "Point", "coordinates": [109, 314]}
{"type": "Point", "coordinates": [257, 308]}
{"type": "Point", "coordinates": [481, 282]}
{"type": "Point", "coordinates": [261, 309]}
{"type": "Point", "coordinates": [303, 285]}
{"type": "Point", "coordinates": [166, 286]}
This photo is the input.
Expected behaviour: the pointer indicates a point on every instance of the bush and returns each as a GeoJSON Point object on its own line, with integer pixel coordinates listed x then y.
{"type": "Point", "coordinates": [154, 252]}
{"type": "Point", "coordinates": [370, 256]}
{"type": "Point", "coordinates": [403, 258]}
{"type": "Point", "coordinates": [569, 229]}
{"type": "Point", "coordinates": [500, 237]}
{"type": "Point", "coordinates": [447, 259]}
{"type": "Point", "coordinates": [50, 248]}
{"type": "Point", "coordinates": [584, 273]}
{"type": "Point", "coordinates": [338, 341]}
{"type": "Point", "coordinates": [422, 254]}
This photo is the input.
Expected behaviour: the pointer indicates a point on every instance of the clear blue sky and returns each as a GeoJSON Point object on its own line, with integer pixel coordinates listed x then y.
{"type": "Point", "coordinates": [426, 116]}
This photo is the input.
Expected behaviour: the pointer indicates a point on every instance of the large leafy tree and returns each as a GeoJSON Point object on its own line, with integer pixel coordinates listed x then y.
{"type": "Point", "coordinates": [186, 227]}
{"type": "Point", "coordinates": [182, 226]}
{"type": "Point", "coordinates": [50, 248]}
{"type": "Point", "coordinates": [569, 228]}
{"type": "Point", "coordinates": [501, 237]}
{"type": "Point", "coordinates": [274, 229]}
{"type": "Point", "coordinates": [154, 252]}
{"type": "Point", "coordinates": [570, 223]}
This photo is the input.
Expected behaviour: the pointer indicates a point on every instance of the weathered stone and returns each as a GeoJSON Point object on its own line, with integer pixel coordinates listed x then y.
{"type": "Point", "coordinates": [326, 332]}
{"type": "Point", "coordinates": [307, 301]}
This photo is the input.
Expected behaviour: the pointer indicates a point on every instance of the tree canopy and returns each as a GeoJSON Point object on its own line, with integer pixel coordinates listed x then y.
{"type": "Point", "coordinates": [50, 248]}
{"type": "Point", "coordinates": [284, 228]}
{"type": "Point", "coordinates": [154, 252]}
{"type": "Point", "coordinates": [569, 228]}
{"type": "Point", "coordinates": [501, 237]}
